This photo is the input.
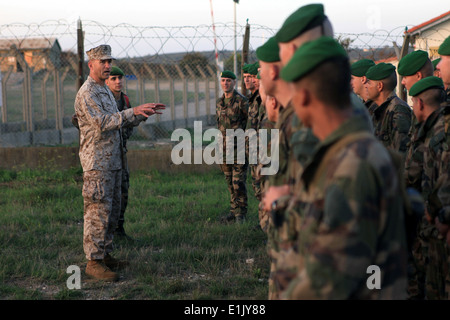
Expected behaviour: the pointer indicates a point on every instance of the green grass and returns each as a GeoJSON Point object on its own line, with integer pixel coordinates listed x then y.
{"type": "Point", "coordinates": [181, 251]}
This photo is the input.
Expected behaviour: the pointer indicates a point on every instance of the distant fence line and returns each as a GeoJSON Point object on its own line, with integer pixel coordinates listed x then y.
{"type": "Point", "coordinates": [172, 65]}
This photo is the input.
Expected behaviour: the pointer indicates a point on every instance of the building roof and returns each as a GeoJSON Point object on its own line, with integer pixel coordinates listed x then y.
{"type": "Point", "coordinates": [429, 24]}
{"type": "Point", "coordinates": [29, 43]}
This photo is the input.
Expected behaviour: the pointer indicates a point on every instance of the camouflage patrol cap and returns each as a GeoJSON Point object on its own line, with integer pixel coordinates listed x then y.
{"type": "Point", "coordinates": [425, 84]}
{"type": "Point", "coordinates": [116, 71]}
{"type": "Point", "coordinates": [412, 62]}
{"type": "Point", "coordinates": [228, 74]}
{"type": "Point", "coordinates": [444, 48]}
{"type": "Point", "coordinates": [435, 62]}
{"type": "Point", "coordinates": [309, 56]}
{"type": "Point", "coordinates": [380, 71]}
{"type": "Point", "coordinates": [102, 52]}
{"type": "Point", "coordinates": [359, 68]}
{"type": "Point", "coordinates": [303, 19]}
{"type": "Point", "coordinates": [269, 51]}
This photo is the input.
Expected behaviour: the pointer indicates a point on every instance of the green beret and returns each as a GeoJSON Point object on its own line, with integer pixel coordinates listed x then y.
{"type": "Point", "coordinates": [253, 69]}
{"type": "Point", "coordinates": [269, 51]}
{"type": "Point", "coordinates": [359, 68]}
{"type": "Point", "coordinates": [380, 71]}
{"type": "Point", "coordinates": [245, 68]}
{"type": "Point", "coordinates": [425, 84]}
{"type": "Point", "coordinates": [412, 62]}
{"type": "Point", "coordinates": [444, 48]}
{"type": "Point", "coordinates": [305, 18]}
{"type": "Point", "coordinates": [116, 71]}
{"type": "Point", "coordinates": [228, 74]}
{"type": "Point", "coordinates": [309, 56]}
{"type": "Point", "coordinates": [258, 76]}
{"type": "Point", "coordinates": [435, 62]}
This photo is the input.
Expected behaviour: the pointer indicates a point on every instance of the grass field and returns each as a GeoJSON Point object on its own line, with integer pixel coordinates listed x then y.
{"type": "Point", "coordinates": [181, 250]}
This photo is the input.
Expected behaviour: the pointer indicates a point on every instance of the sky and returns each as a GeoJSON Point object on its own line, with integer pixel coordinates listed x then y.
{"type": "Point", "coordinates": [347, 16]}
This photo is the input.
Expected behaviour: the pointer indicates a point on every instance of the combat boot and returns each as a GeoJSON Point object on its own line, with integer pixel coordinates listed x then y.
{"type": "Point", "coordinates": [230, 218]}
{"type": "Point", "coordinates": [97, 269]}
{"type": "Point", "coordinates": [114, 264]}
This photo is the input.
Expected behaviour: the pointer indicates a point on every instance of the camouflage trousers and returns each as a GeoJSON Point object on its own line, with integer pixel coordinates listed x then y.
{"type": "Point", "coordinates": [236, 176]}
{"type": "Point", "coordinates": [430, 277]}
{"type": "Point", "coordinates": [256, 180]}
{"type": "Point", "coordinates": [101, 195]}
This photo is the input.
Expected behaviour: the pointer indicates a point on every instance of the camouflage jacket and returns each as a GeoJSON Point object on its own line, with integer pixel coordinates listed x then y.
{"type": "Point", "coordinates": [444, 168]}
{"type": "Point", "coordinates": [286, 130]}
{"type": "Point", "coordinates": [232, 115]}
{"type": "Point", "coordinates": [122, 104]}
{"type": "Point", "coordinates": [100, 124]}
{"type": "Point", "coordinates": [254, 102]}
{"type": "Point", "coordinates": [392, 122]}
{"type": "Point", "coordinates": [348, 216]}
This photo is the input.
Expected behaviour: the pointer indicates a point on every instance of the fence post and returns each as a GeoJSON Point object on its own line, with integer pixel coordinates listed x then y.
{"type": "Point", "coordinates": [403, 52]}
{"type": "Point", "coordinates": [171, 95]}
{"type": "Point", "coordinates": [4, 106]}
{"type": "Point", "coordinates": [207, 93]}
{"type": "Point", "coordinates": [80, 47]}
{"type": "Point", "coordinates": [245, 56]}
{"type": "Point", "coordinates": [156, 79]}
{"type": "Point", "coordinates": [27, 92]}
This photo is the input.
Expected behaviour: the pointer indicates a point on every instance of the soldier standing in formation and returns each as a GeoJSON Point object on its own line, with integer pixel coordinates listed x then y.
{"type": "Point", "coordinates": [100, 124]}
{"type": "Point", "coordinates": [232, 113]}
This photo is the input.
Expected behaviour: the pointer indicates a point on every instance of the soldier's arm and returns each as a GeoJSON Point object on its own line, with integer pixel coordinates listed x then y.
{"type": "Point", "coordinates": [401, 125]}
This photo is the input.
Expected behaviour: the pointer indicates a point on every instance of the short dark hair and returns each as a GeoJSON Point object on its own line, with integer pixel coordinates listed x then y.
{"type": "Point", "coordinates": [330, 82]}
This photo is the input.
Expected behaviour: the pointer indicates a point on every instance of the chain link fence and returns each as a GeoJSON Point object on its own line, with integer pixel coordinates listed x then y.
{"type": "Point", "coordinates": [177, 66]}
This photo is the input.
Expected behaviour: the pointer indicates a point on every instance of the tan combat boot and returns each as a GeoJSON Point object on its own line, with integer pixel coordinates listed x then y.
{"type": "Point", "coordinates": [97, 269]}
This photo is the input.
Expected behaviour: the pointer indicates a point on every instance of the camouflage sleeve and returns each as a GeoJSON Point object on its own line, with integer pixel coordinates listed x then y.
{"type": "Point", "coordinates": [91, 108]}
{"type": "Point", "coordinates": [444, 189]}
{"type": "Point", "coordinates": [401, 124]}
{"type": "Point", "coordinates": [338, 237]}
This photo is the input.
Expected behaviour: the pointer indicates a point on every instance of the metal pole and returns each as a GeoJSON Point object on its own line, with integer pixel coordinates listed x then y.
{"type": "Point", "coordinates": [235, 41]}
{"type": "Point", "coordinates": [80, 41]}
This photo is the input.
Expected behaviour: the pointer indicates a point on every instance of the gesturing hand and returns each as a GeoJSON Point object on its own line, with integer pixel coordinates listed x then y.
{"type": "Point", "coordinates": [148, 109]}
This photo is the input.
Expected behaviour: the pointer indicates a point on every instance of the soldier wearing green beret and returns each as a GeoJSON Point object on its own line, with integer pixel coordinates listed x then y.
{"type": "Point", "coordinates": [232, 113]}
{"type": "Point", "coordinates": [429, 252]}
{"type": "Point", "coordinates": [391, 116]}
{"type": "Point", "coordinates": [443, 220]}
{"type": "Point", "coordinates": [115, 84]}
{"type": "Point", "coordinates": [251, 82]}
{"type": "Point", "coordinates": [414, 66]}
{"type": "Point", "coordinates": [358, 70]}
{"type": "Point", "coordinates": [283, 181]}
{"type": "Point", "coordinates": [348, 213]}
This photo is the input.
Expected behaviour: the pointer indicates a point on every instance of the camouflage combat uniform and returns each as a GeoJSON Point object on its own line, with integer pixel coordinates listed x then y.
{"type": "Point", "coordinates": [100, 153]}
{"type": "Point", "coordinates": [122, 104]}
{"type": "Point", "coordinates": [392, 122]}
{"type": "Point", "coordinates": [233, 115]}
{"type": "Point", "coordinates": [253, 122]}
{"type": "Point", "coordinates": [347, 217]}
{"type": "Point", "coordinates": [284, 224]}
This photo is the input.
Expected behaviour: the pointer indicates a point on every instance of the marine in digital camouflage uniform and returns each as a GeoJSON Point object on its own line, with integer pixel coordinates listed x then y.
{"type": "Point", "coordinates": [100, 124]}
{"type": "Point", "coordinates": [232, 113]}
{"type": "Point", "coordinates": [349, 214]}
{"type": "Point", "coordinates": [391, 116]}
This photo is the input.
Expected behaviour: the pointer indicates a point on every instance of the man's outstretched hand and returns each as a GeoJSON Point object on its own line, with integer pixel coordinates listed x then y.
{"type": "Point", "coordinates": [148, 109]}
